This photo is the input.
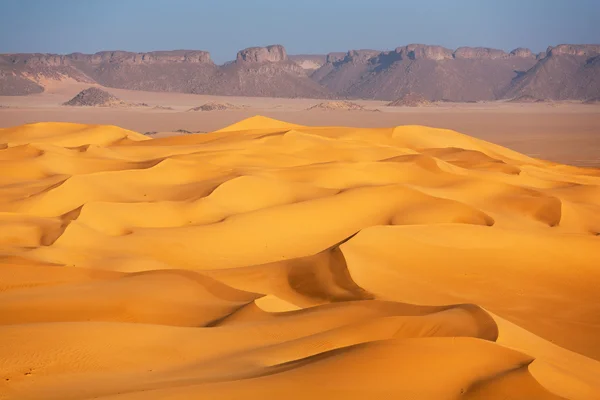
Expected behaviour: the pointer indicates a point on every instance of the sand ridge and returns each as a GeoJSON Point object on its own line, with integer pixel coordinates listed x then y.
{"type": "Point", "coordinates": [270, 259]}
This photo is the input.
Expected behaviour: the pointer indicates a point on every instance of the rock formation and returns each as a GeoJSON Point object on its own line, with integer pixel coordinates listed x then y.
{"type": "Point", "coordinates": [437, 73]}
{"type": "Point", "coordinates": [274, 53]}
{"type": "Point", "coordinates": [335, 57]}
{"type": "Point", "coordinates": [526, 99]}
{"type": "Point", "coordinates": [215, 106]}
{"type": "Point", "coordinates": [339, 106]}
{"type": "Point", "coordinates": [521, 52]}
{"type": "Point", "coordinates": [95, 97]}
{"type": "Point", "coordinates": [410, 100]}
{"type": "Point", "coordinates": [471, 53]}
{"type": "Point", "coordinates": [122, 57]}
{"type": "Point", "coordinates": [421, 51]}
{"type": "Point", "coordinates": [566, 72]}
{"type": "Point", "coordinates": [584, 50]}
{"type": "Point", "coordinates": [360, 56]}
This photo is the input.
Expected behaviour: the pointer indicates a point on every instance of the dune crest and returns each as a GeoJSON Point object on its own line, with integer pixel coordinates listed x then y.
{"type": "Point", "coordinates": [273, 260]}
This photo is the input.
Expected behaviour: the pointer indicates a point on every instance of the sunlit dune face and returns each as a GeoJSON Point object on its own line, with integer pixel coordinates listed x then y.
{"type": "Point", "coordinates": [275, 260]}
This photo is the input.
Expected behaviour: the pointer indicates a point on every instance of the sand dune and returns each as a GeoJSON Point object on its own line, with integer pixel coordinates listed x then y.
{"type": "Point", "coordinates": [274, 260]}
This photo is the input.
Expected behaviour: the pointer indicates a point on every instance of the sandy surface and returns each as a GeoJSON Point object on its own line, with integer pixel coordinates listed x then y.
{"type": "Point", "coordinates": [562, 132]}
{"type": "Point", "coordinates": [271, 260]}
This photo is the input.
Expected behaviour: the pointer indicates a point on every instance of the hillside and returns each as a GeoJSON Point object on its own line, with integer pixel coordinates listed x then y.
{"type": "Point", "coordinates": [435, 72]}
{"type": "Point", "coordinates": [96, 97]}
{"type": "Point", "coordinates": [567, 72]}
{"type": "Point", "coordinates": [257, 71]}
{"type": "Point", "coordinates": [264, 72]}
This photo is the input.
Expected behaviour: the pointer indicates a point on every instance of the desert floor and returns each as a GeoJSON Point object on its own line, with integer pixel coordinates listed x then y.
{"type": "Point", "coordinates": [562, 132]}
{"type": "Point", "coordinates": [271, 260]}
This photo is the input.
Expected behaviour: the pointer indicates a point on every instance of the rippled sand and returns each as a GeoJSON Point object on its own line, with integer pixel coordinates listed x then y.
{"type": "Point", "coordinates": [273, 260]}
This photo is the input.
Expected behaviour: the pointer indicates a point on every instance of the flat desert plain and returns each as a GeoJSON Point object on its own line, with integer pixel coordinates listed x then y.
{"type": "Point", "coordinates": [563, 132]}
{"type": "Point", "coordinates": [322, 255]}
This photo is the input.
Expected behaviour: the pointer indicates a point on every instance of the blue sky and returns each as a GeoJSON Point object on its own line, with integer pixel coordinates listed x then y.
{"type": "Point", "coordinates": [302, 26]}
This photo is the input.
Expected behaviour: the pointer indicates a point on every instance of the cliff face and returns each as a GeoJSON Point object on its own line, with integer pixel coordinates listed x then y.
{"type": "Point", "coordinates": [157, 70]}
{"type": "Point", "coordinates": [582, 50]}
{"type": "Point", "coordinates": [481, 53]}
{"type": "Point", "coordinates": [257, 71]}
{"type": "Point", "coordinates": [564, 72]}
{"type": "Point", "coordinates": [264, 71]}
{"type": "Point", "coordinates": [123, 57]}
{"type": "Point", "coordinates": [423, 52]}
{"type": "Point", "coordinates": [342, 70]}
{"type": "Point", "coordinates": [335, 57]}
{"type": "Point", "coordinates": [435, 72]}
{"type": "Point", "coordinates": [12, 84]}
{"type": "Point", "coordinates": [522, 52]}
{"type": "Point", "coordinates": [360, 56]}
{"type": "Point", "coordinates": [274, 53]}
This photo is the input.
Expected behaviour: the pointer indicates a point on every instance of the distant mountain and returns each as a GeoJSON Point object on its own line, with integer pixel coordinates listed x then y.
{"type": "Point", "coordinates": [13, 84]}
{"type": "Point", "coordinates": [566, 72]}
{"type": "Point", "coordinates": [257, 71]}
{"type": "Point", "coordinates": [266, 72]}
{"type": "Point", "coordinates": [433, 72]}
{"type": "Point", "coordinates": [341, 72]}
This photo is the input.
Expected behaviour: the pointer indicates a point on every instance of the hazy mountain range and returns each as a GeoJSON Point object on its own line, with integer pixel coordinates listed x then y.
{"type": "Point", "coordinates": [465, 74]}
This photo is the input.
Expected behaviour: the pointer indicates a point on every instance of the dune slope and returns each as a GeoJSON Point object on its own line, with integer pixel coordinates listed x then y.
{"type": "Point", "coordinates": [274, 260]}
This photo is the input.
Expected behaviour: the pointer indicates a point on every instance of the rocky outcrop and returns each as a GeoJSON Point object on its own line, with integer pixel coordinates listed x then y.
{"type": "Point", "coordinates": [274, 53]}
{"type": "Point", "coordinates": [49, 60]}
{"type": "Point", "coordinates": [215, 106]}
{"type": "Point", "coordinates": [12, 84]}
{"type": "Point", "coordinates": [154, 57]}
{"type": "Point", "coordinates": [587, 50]}
{"type": "Point", "coordinates": [521, 52]}
{"type": "Point", "coordinates": [410, 100]}
{"type": "Point", "coordinates": [261, 71]}
{"type": "Point", "coordinates": [566, 72]}
{"type": "Point", "coordinates": [340, 72]}
{"type": "Point", "coordinates": [95, 97]}
{"type": "Point", "coordinates": [338, 106]}
{"type": "Point", "coordinates": [123, 57]}
{"type": "Point", "coordinates": [360, 56]}
{"type": "Point", "coordinates": [424, 52]}
{"type": "Point", "coordinates": [471, 53]}
{"type": "Point", "coordinates": [526, 99]}
{"type": "Point", "coordinates": [435, 72]}
{"type": "Point", "coordinates": [335, 57]}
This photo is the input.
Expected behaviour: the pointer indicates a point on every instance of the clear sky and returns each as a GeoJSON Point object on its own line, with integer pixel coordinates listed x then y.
{"type": "Point", "coordinates": [302, 26]}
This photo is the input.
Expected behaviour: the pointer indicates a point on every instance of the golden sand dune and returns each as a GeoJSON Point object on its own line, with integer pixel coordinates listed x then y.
{"type": "Point", "coordinates": [273, 260]}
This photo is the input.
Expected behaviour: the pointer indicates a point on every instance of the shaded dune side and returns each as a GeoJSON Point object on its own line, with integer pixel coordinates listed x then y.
{"type": "Point", "coordinates": [173, 297]}
{"type": "Point", "coordinates": [270, 258]}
